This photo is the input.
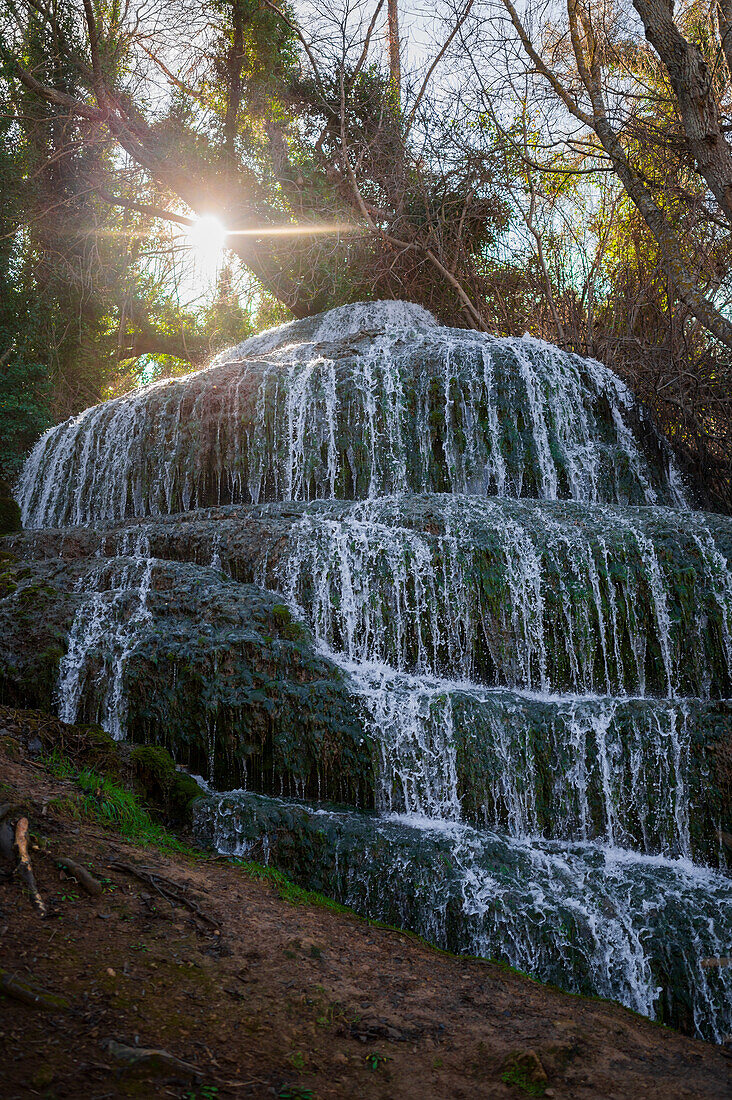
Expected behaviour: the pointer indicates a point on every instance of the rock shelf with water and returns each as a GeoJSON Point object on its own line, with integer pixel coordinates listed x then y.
{"type": "Point", "coordinates": [591, 918]}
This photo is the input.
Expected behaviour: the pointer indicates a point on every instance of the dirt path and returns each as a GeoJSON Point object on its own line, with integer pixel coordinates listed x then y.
{"type": "Point", "coordinates": [281, 1000]}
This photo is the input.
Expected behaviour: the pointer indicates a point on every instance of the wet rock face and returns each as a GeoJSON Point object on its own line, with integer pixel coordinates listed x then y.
{"type": "Point", "coordinates": [134, 627]}
{"type": "Point", "coordinates": [596, 921]}
{"type": "Point", "coordinates": [545, 597]}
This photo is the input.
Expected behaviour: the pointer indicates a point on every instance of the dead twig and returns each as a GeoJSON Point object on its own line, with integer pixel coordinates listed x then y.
{"type": "Point", "coordinates": [148, 1059]}
{"type": "Point", "coordinates": [170, 891]}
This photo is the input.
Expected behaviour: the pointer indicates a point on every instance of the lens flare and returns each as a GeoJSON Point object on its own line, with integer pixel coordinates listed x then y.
{"type": "Point", "coordinates": [207, 237]}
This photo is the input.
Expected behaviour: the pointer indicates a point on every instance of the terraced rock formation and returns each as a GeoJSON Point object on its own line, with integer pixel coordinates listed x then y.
{"type": "Point", "coordinates": [449, 582]}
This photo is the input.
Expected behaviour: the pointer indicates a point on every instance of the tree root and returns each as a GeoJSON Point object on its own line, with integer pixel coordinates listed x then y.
{"type": "Point", "coordinates": [148, 1060]}
{"type": "Point", "coordinates": [25, 869]}
{"type": "Point", "coordinates": [24, 991]}
{"type": "Point", "coordinates": [167, 889]}
{"type": "Point", "coordinates": [84, 878]}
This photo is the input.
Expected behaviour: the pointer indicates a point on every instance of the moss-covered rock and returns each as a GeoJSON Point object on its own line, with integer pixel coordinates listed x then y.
{"type": "Point", "coordinates": [551, 596]}
{"type": "Point", "coordinates": [620, 925]}
{"type": "Point", "coordinates": [9, 511]}
{"type": "Point", "coordinates": [159, 781]}
{"type": "Point", "coordinates": [216, 672]}
{"type": "Point", "coordinates": [369, 400]}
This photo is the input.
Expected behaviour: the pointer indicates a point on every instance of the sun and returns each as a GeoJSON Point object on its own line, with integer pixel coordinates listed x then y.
{"type": "Point", "coordinates": [207, 237]}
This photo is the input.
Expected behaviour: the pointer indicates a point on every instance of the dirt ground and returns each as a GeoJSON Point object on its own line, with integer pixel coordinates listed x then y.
{"type": "Point", "coordinates": [264, 998]}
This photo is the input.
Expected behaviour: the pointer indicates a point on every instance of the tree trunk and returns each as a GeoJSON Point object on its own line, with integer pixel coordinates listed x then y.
{"type": "Point", "coordinates": [395, 63]}
{"type": "Point", "coordinates": [693, 87]}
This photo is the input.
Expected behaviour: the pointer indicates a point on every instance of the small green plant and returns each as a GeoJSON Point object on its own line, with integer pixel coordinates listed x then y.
{"type": "Point", "coordinates": [59, 765]}
{"type": "Point", "coordinates": [203, 1092]}
{"type": "Point", "coordinates": [374, 1060]}
{"type": "Point", "coordinates": [293, 1092]}
{"type": "Point", "coordinates": [68, 897]}
{"type": "Point", "coordinates": [522, 1079]}
{"type": "Point", "coordinates": [297, 1060]}
{"type": "Point", "coordinates": [287, 890]}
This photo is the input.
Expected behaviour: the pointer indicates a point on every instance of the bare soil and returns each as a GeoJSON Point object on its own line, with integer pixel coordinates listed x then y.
{"type": "Point", "coordinates": [282, 1000]}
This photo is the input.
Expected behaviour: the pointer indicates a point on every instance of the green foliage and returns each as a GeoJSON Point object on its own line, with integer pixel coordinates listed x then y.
{"type": "Point", "coordinates": [24, 388]}
{"type": "Point", "coordinates": [374, 1060]}
{"type": "Point", "coordinates": [84, 314]}
{"type": "Point", "coordinates": [9, 511]}
{"type": "Point", "coordinates": [59, 764]}
{"type": "Point", "coordinates": [202, 1092]}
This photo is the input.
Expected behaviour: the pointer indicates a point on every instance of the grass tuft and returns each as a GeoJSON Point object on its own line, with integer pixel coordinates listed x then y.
{"type": "Point", "coordinates": [287, 890]}
{"type": "Point", "coordinates": [520, 1077]}
{"type": "Point", "coordinates": [109, 804]}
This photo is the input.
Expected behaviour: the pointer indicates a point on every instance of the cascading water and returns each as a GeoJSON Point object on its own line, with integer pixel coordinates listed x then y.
{"type": "Point", "coordinates": [493, 548]}
{"type": "Point", "coordinates": [537, 596]}
{"type": "Point", "coordinates": [103, 635]}
{"type": "Point", "coordinates": [365, 401]}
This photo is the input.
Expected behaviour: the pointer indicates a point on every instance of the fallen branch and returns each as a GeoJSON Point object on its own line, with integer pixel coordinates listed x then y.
{"type": "Point", "coordinates": [170, 891]}
{"type": "Point", "coordinates": [29, 994]}
{"type": "Point", "coordinates": [24, 866]}
{"type": "Point", "coordinates": [84, 878]}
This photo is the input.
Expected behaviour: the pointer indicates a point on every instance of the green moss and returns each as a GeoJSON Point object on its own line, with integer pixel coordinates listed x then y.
{"type": "Point", "coordinates": [98, 750]}
{"type": "Point", "coordinates": [52, 655]}
{"type": "Point", "coordinates": [8, 584]}
{"type": "Point", "coordinates": [523, 1077]}
{"type": "Point", "coordinates": [286, 626]}
{"type": "Point", "coordinates": [159, 781]}
{"type": "Point", "coordinates": [153, 766]}
{"type": "Point", "coordinates": [31, 594]}
{"type": "Point", "coordinates": [9, 515]}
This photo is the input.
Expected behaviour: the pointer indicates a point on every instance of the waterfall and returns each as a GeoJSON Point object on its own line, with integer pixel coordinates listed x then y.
{"type": "Point", "coordinates": [592, 918]}
{"type": "Point", "coordinates": [525, 633]}
{"type": "Point", "coordinates": [367, 401]}
{"type": "Point", "coordinates": [106, 626]}
{"type": "Point", "coordinates": [601, 766]}
{"type": "Point", "coordinates": [518, 595]}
